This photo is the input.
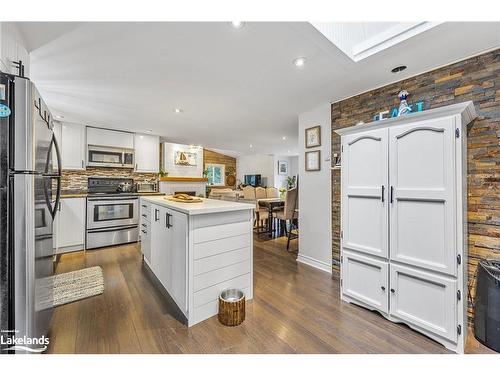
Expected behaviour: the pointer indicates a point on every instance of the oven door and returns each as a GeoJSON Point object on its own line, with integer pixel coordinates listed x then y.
{"type": "Point", "coordinates": [112, 212]}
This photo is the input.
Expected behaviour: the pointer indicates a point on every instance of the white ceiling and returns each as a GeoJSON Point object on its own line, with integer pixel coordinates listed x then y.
{"type": "Point", "coordinates": [236, 87]}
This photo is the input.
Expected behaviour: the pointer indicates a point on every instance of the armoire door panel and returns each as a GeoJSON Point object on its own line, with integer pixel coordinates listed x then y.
{"type": "Point", "coordinates": [364, 192]}
{"type": "Point", "coordinates": [365, 279]}
{"type": "Point", "coordinates": [422, 180]}
{"type": "Point", "coordinates": [424, 299]}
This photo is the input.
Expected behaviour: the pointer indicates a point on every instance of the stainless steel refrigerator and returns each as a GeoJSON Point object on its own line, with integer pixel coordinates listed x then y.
{"type": "Point", "coordinates": [30, 186]}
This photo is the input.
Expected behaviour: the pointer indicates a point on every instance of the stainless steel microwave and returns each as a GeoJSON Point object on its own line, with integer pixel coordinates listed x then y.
{"type": "Point", "coordinates": [99, 156]}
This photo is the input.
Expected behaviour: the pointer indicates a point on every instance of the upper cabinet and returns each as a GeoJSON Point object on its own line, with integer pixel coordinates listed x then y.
{"type": "Point", "coordinates": [147, 153]}
{"type": "Point", "coordinates": [12, 49]}
{"type": "Point", "coordinates": [73, 146]}
{"type": "Point", "coordinates": [109, 138]}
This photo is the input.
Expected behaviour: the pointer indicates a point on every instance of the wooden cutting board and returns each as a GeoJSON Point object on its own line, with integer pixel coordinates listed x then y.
{"type": "Point", "coordinates": [194, 200]}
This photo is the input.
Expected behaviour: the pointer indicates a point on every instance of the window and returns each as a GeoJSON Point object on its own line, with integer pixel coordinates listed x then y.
{"type": "Point", "coordinates": [216, 174]}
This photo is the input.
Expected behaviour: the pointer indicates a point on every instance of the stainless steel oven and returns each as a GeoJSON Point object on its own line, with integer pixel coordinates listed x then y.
{"type": "Point", "coordinates": [112, 216]}
{"type": "Point", "coordinates": [105, 212]}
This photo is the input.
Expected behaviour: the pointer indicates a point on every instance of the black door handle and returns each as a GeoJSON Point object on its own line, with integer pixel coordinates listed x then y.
{"type": "Point", "coordinates": [156, 214]}
{"type": "Point", "coordinates": [393, 291]}
{"type": "Point", "coordinates": [383, 189]}
{"type": "Point", "coordinates": [392, 194]}
{"type": "Point", "coordinates": [382, 287]}
{"type": "Point", "coordinates": [167, 220]}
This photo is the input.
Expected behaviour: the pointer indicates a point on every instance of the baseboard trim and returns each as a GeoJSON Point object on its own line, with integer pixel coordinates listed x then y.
{"type": "Point", "coordinates": [323, 266]}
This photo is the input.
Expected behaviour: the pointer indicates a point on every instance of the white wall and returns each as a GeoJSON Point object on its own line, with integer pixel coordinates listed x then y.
{"type": "Point", "coordinates": [256, 164]}
{"type": "Point", "coordinates": [173, 170]}
{"type": "Point", "coordinates": [315, 233]}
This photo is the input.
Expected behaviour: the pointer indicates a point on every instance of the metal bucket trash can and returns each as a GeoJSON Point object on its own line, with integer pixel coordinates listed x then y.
{"type": "Point", "coordinates": [231, 307]}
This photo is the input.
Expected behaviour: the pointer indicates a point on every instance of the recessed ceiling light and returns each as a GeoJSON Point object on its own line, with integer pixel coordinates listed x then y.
{"type": "Point", "coordinates": [251, 146]}
{"type": "Point", "coordinates": [398, 69]}
{"type": "Point", "coordinates": [237, 24]}
{"type": "Point", "coordinates": [149, 130]}
{"type": "Point", "coordinates": [177, 110]}
{"type": "Point", "coordinates": [59, 116]}
{"type": "Point", "coordinates": [288, 151]}
{"type": "Point", "coordinates": [299, 62]}
{"type": "Point", "coordinates": [283, 138]}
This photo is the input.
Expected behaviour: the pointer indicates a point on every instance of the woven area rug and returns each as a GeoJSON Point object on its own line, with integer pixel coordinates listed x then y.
{"type": "Point", "coordinates": [76, 285]}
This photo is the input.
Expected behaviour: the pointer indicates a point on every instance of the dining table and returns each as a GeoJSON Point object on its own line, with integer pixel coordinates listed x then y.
{"type": "Point", "coordinates": [271, 204]}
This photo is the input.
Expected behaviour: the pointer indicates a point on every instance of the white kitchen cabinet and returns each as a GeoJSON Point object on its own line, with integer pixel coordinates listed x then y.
{"type": "Point", "coordinates": [169, 251]}
{"type": "Point", "coordinates": [69, 225]}
{"type": "Point", "coordinates": [12, 49]}
{"type": "Point", "coordinates": [109, 138]}
{"type": "Point", "coordinates": [364, 191]}
{"type": "Point", "coordinates": [147, 153]}
{"type": "Point", "coordinates": [198, 250]}
{"type": "Point", "coordinates": [424, 299]}
{"type": "Point", "coordinates": [403, 222]}
{"type": "Point", "coordinates": [366, 279]}
{"type": "Point", "coordinates": [73, 146]}
{"type": "Point", "coordinates": [422, 231]}
{"type": "Point", "coordinates": [145, 232]}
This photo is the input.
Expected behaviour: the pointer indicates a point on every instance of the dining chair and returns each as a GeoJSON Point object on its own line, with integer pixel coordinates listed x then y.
{"type": "Point", "coordinates": [272, 192]}
{"type": "Point", "coordinates": [249, 192]}
{"type": "Point", "coordinates": [289, 214]}
{"type": "Point", "coordinates": [260, 193]}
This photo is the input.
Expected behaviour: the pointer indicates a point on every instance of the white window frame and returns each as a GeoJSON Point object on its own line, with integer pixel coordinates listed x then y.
{"type": "Point", "coordinates": [223, 172]}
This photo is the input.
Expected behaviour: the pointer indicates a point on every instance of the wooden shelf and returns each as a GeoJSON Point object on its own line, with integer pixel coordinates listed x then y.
{"type": "Point", "coordinates": [184, 179]}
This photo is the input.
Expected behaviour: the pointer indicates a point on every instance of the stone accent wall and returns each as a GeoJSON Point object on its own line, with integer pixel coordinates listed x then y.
{"type": "Point", "coordinates": [77, 180]}
{"type": "Point", "coordinates": [212, 157]}
{"type": "Point", "coordinates": [476, 79]}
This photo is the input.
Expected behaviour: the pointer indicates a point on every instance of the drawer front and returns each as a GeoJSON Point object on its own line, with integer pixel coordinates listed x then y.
{"type": "Point", "coordinates": [211, 278]}
{"type": "Point", "coordinates": [145, 211]}
{"type": "Point", "coordinates": [365, 279]}
{"type": "Point", "coordinates": [212, 293]}
{"type": "Point", "coordinates": [207, 249]}
{"type": "Point", "coordinates": [424, 299]}
{"type": "Point", "coordinates": [221, 231]}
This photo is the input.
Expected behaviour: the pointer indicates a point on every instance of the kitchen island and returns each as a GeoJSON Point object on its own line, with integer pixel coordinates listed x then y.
{"type": "Point", "coordinates": [196, 250]}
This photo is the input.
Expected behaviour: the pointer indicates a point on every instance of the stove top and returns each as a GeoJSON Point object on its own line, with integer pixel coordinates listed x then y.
{"type": "Point", "coordinates": [109, 185]}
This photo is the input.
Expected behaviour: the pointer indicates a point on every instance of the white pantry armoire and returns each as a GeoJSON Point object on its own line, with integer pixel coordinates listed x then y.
{"type": "Point", "coordinates": [404, 220]}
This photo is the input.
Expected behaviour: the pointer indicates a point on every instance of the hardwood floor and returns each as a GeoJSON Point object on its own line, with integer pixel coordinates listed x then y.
{"type": "Point", "coordinates": [296, 309]}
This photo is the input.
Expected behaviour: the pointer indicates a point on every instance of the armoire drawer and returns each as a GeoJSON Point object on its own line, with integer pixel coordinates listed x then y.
{"type": "Point", "coordinates": [425, 299]}
{"type": "Point", "coordinates": [365, 279]}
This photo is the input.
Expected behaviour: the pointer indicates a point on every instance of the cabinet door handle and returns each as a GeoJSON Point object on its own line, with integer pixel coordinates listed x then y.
{"type": "Point", "coordinates": [143, 231]}
{"type": "Point", "coordinates": [393, 291]}
{"type": "Point", "coordinates": [144, 225]}
{"type": "Point", "coordinates": [156, 214]}
{"type": "Point", "coordinates": [143, 205]}
{"type": "Point", "coordinates": [383, 190]}
{"type": "Point", "coordinates": [382, 287]}
{"type": "Point", "coordinates": [392, 194]}
{"type": "Point", "coordinates": [167, 220]}
{"type": "Point", "coordinates": [82, 164]}
{"type": "Point", "coordinates": [144, 215]}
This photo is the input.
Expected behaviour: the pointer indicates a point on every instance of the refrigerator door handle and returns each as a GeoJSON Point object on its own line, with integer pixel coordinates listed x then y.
{"type": "Point", "coordinates": [53, 143]}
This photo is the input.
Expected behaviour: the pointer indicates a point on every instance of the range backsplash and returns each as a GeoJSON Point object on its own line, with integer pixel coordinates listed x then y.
{"type": "Point", "coordinates": [77, 180]}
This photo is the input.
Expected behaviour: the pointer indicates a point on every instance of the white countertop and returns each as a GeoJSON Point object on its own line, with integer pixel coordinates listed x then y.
{"type": "Point", "coordinates": [208, 206]}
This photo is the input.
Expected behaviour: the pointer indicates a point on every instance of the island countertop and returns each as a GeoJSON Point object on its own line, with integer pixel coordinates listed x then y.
{"type": "Point", "coordinates": [206, 207]}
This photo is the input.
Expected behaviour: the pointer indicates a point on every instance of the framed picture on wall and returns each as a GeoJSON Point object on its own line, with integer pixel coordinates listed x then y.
{"type": "Point", "coordinates": [283, 167]}
{"type": "Point", "coordinates": [313, 160]}
{"type": "Point", "coordinates": [313, 136]}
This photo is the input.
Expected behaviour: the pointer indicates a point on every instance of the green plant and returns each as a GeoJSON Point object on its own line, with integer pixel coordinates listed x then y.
{"type": "Point", "coordinates": [291, 181]}
{"type": "Point", "coordinates": [163, 173]}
